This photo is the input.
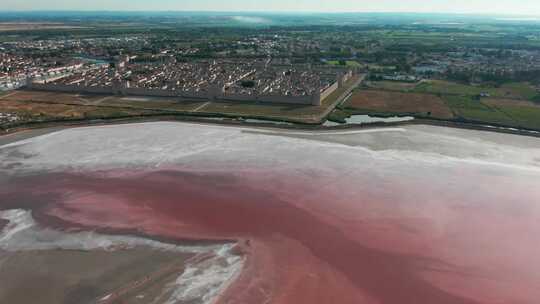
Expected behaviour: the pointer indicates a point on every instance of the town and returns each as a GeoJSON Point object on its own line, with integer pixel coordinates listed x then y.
{"type": "Point", "coordinates": [226, 79]}
{"type": "Point", "coordinates": [426, 71]}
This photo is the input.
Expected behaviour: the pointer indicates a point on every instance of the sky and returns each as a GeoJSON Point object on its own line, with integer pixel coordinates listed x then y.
{"type": "Point", "coordinates": [505, 7]}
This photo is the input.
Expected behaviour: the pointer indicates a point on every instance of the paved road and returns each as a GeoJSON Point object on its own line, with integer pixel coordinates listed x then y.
{"type": "Point", "coordinates": [342, 97]}
{"type": "Point", "coordinates": [201, 106]}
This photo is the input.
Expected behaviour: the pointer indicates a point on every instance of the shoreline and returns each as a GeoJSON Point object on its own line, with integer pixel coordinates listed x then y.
{"type": "Point", "coordinates": [42, 128]}
{"type": "Point", "coordinates": [196, 255]}
{"type": "Point", "coordinates": [269, 177]}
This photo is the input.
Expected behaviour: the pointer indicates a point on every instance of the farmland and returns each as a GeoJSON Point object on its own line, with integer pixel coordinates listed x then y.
{"type": "Point", "coordinates": [348, 63]}
{"type": "Point", "coordinates": [398, 103]}
{"type": "Point", "coordinates": [524, 114]}
{"type": "Point", "coordinates": [510, 90]}
{"type": "Point", "coordinates": [511, 104]}
{"type": "Point", "coordinates": [516, 90]}
{"type": "Point", "coordinates": [48, 111]}
{"type": "Point", "coordinates": [473, 110]}
{"type": "Point", "coordinates": [392, 85]}
{"type": "Point", "coordinates": [44, 106]}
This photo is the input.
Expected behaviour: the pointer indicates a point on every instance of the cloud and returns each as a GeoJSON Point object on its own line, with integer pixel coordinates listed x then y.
{"type": "Point", "coordinates": [250, 19]}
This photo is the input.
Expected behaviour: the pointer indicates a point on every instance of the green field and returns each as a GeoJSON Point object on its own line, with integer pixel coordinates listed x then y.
{"type": "Point", "coordinates": [469, 109]}
{"type": "Point", "coordinates": [393, 85]}
{"type": "Point", "coordinates": [518, 103]}
{"type": "Point", "coordinates": [511, 90]}
{"type": "Point", "coordinates": [508, 115]}
{"type": "Point", "coordinates": [525, 117]}
{"type": "Point", "coordinates": [348, 63]}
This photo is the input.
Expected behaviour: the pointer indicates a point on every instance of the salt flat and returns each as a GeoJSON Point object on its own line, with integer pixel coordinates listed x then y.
{"type": "Point", "coordinates": [154, 144]}
{"type": "Point", "coordinates": [361, 216]}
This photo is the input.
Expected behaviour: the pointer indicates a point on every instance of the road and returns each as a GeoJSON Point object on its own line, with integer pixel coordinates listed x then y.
{"type": "Point", "coordinates": [341, 98]}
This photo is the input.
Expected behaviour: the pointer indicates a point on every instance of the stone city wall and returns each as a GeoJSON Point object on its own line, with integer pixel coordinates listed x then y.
{"type": "Point", "coordinates": [306, 100]}
{"type": "Point", "coordinates": [329, 91]}
{"type": "Point", "coordinates": [212, 94]}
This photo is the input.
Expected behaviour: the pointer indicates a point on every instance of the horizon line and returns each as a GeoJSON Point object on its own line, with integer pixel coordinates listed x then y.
{"type": "Point", "coordinates": [265, 12]}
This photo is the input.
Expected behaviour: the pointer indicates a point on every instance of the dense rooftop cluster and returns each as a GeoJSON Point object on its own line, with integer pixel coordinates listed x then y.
{"type": "Point", "coordinates": [8, 117]}
{"type": "Point", "coordinates": [245, 77]}
{"type": "Point", "coordinates": [15, 69]}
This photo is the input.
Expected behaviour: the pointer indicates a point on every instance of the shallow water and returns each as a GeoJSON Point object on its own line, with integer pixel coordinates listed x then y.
{"type": "Point", "coordinates": [371, 216]}
{"type": "Point", "coordinates": [364, 119]}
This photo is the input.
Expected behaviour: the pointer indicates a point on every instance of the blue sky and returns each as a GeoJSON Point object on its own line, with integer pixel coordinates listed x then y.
{"type": "Point", "coordinates": [523, 7]}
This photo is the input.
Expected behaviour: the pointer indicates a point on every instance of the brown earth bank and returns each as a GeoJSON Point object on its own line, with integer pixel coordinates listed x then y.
{"type": "Point", "coordinates": [313, 244]}
{"type": "Point", "coordinates": [385, 101]}
{"type": "Point", "coordinates": [33, 109]}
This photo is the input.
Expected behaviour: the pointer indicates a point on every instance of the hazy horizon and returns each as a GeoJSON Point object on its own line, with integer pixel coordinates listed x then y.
{"type": "Point", "coordinates": [473, 7]}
